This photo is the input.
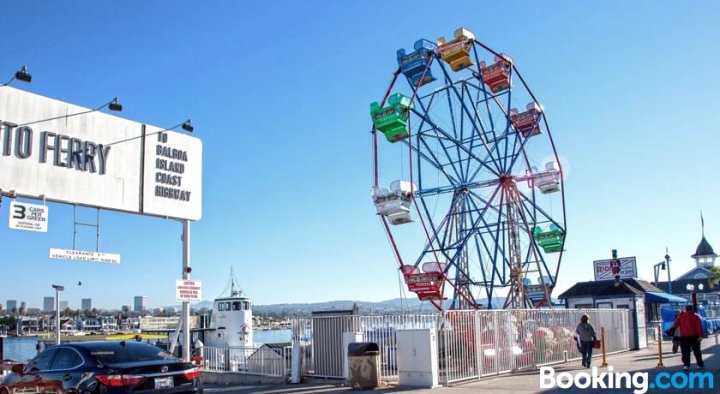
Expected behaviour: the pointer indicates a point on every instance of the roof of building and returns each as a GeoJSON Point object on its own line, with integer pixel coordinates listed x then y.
{"type": "Point", "coordinates": [704, 249]}
{"type": "Point", "coordinates": [679, 286]}
{"type": "Point", "coordinates": [696, 273]}
{"type": "Point", "coordinates": [609, 288]}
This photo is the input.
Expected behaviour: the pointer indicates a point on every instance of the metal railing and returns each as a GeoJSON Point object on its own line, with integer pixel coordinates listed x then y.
{"type": "Point", "coordinates": [471, 344]}
{"type": "Point", "coordinates": [263, 360]}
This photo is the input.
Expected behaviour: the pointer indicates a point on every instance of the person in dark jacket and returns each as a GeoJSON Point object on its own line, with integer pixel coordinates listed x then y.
{"type": "Point", "coordinates": [691, 333]}
{"type": "Point", "coordinates": [586, 336]}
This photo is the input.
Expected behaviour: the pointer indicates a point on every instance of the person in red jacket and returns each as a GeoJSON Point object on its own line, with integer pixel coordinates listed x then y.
{"type": "Point", "coordinates": [691, 333]}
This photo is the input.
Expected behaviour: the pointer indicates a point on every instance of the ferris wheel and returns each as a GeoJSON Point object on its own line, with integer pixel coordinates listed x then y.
{"type": "Point", "coordinates": [467, 181]}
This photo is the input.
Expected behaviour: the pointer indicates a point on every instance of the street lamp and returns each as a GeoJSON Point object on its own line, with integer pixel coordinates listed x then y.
{"type": "Point", "coordinates": [58, 289]}
{"type": "Point", "coordinates": [667, 263]}
{"type": "Point", "coordinates": [21, 75]}
{"type": "Point", "coordinates": [691, 288]}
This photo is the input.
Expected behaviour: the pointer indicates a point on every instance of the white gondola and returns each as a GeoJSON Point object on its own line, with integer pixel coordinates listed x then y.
{"type": "Point", "coordinates": [395, 203]}
{"type": "Point", "coordinates": [549, 181]}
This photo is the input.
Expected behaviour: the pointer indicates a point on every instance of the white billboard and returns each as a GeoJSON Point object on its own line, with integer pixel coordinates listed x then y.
{"type": "Point", "coordinates": [96, 159]}
{"type": "Point", "coordinates": [28, 217]}
{"type": "Point", "coordinates": [604, 268]}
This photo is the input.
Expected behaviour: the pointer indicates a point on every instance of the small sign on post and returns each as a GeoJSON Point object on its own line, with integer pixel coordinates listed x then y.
{"type": "Point", "coordinates": [28, 217]}
{"type": "Point", "coordinates": [188, 290]}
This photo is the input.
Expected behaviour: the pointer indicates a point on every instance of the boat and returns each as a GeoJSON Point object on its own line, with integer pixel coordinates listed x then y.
{"type": "Point", "coordinates": [231, 321]}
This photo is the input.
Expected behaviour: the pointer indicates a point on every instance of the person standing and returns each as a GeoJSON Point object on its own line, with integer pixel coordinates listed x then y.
{"type": "Point", "coordinates": [587, 337]}
{"type": "Point", "coordinates": [691, 333]}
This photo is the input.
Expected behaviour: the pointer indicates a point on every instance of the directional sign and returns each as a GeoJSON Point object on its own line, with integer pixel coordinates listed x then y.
{"type": "Point", "coordinates": [188, 290]}
{"type": "Point", "coordinates": [82, 255]}
{"type": "Point", "coordinates": [28, 217]}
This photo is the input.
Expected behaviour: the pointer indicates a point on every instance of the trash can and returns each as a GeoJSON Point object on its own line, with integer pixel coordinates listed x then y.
{"type": "Point", "coordinates": [363, 365]}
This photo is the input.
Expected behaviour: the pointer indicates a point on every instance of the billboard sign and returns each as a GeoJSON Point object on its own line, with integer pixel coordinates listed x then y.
{"type": "Point", "coordinates": [28, 217]}
{"type": "Point", "coordinates": [76, 155]}
{"type": "Point", "coordinates": [607, 269]}
{"type": "Point", "coordinates": [188, 290]}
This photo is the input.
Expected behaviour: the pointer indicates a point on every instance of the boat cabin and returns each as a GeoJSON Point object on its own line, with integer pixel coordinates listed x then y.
{"type": "Point", "coordinates": [551, 240]}
{"type": "Point", "coordinates": [427, 285]}
{"type": "Point", "coordinates": [497, 75]}
{"type": "Point", "coordinates": [527, 123]}
{"type": "Point", "coordinates": [392, 119]}
{"type": "Point", "coordinates": [456, 53]}
{"type": "Point", "coordinates": [413, 65]}
{"type": "Point", "coordinates": [394, 204]}
{"type": "Point", "coordinates": [549, 180]}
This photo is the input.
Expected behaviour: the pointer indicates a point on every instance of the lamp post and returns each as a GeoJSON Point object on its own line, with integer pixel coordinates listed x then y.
{"type": "Point", "coordinates": [667, 263]}
{"type": "Point", "coordinates": [58, 289]}
{"type": "Point", "coordinates": [693, 294]}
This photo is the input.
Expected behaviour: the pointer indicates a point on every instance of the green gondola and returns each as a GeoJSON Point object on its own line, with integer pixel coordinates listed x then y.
{"type": "Point", "coordinates": [551, 240]}
{"type": "Point", "coordinates": [392, 120]}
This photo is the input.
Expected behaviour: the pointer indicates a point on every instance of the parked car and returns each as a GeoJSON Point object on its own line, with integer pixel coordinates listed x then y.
{"type": "Point", "coordinates": [103, 367]}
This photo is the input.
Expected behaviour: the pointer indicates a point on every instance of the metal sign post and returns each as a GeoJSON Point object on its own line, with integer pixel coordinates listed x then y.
{"type": "Point", "coordinates": [186, 304]}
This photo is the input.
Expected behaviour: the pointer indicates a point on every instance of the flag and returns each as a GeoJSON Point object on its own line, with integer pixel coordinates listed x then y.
{"type": "Point", "coordinates": [702, 223]}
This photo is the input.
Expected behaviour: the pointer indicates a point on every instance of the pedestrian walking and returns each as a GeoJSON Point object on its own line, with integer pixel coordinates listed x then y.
{"type": "Point", "coordinates": [691, 333]}
{"type": "Point", "coordinates": [674, 332]}
{"type": "Point", "coordinates": [586, 336]}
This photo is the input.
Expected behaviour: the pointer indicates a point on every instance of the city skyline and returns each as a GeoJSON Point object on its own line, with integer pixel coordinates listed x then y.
{"type": "Point", "coordinates": [283, 115]}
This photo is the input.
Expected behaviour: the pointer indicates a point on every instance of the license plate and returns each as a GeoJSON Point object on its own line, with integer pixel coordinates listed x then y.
{"type": "Point", "coordinates": [163, 383]}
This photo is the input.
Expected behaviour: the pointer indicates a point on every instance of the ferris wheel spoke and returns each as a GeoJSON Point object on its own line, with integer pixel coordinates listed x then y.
{"type": "Point", "coordinates": [467, 113]}
{"type": "Point", "coordinates": [462, 147]}
{"type": "Point", "coordinates": [548, 217]}
{"type": "Point", "coordinates": [421, 135]}
{"type": "Point", "coordinates": [495, 237]}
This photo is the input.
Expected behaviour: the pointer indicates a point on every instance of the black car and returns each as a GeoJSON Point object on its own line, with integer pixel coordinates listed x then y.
{"type": "Point", "coordinates": [103, 368]}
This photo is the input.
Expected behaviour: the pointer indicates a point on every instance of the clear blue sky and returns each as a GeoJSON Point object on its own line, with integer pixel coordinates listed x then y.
{"type": "Point", "coordinates": [279, 94]}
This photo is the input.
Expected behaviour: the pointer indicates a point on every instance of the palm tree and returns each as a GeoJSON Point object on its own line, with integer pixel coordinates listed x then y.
{"type": "Point", "coordinates": [714, 278]}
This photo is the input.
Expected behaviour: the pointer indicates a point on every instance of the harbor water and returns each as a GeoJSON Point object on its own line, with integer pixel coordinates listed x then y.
{"type": "Point", "coordinates": [24, 348]}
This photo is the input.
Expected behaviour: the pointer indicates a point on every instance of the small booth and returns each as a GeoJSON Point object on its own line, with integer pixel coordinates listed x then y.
{"type": "Point", "coordinates": [639, 297]}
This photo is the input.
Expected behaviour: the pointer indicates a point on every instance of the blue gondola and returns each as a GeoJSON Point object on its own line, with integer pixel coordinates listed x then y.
{"type": "Point", "coordinates": [414, 64]}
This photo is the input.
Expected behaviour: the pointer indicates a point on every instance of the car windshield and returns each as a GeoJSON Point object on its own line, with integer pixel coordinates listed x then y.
{"type": "Point", "coordinates": [114, 353]}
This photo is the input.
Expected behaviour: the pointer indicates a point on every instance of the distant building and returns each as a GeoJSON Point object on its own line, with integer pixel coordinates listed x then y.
{"type": "Point", "coordinates": [63, 305]}
{"type": "Point", "coordinates": [11, 304]}
{"type": "Point", "coordinates": [86, 304]}
{"type": "Point", "coordinates": [140, 303]}
{"type": "Point", "coordinates": [23, 306]}
{"type": "Point", "coordinates": [698, 279]}
{"type": "Point", "coordinates": [48, 304]}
